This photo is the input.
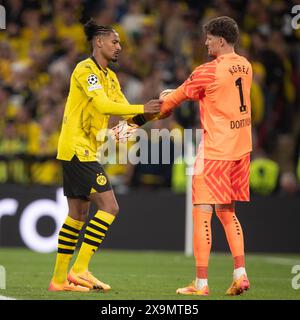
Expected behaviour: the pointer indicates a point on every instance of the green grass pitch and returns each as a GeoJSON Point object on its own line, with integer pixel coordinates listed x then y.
{"type": "Point", "coordinates": [142, 275]}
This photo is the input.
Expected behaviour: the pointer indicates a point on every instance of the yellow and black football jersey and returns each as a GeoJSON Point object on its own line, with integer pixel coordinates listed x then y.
{"type": "Point", "coordinates": [95, 94]}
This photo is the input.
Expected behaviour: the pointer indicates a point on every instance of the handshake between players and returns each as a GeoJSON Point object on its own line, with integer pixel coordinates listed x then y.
{"type": "Point", "coordinates": [152, 111]}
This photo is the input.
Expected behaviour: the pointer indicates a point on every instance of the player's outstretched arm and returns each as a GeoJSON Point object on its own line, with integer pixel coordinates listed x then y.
{"type": "Point", "coordinates": [108, 107]}
{"type": "Point", "coordinates": [172, 99]}
{"type": "Point", "coordinates": [146, 117]}
{"type": "Point", "coordinates": [124, 130]}
{"type": "Point", "coordinates": [94, 90]}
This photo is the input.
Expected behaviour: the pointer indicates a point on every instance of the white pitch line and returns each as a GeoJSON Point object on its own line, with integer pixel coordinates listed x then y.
{"type": "Point", "coordinates": [282, 261]}
{"type": "Point", "coordinates": [7, 298]}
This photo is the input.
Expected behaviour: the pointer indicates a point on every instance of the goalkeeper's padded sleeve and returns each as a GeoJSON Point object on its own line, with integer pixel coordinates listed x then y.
{"type": "Point", "coordinates": [172, 100]}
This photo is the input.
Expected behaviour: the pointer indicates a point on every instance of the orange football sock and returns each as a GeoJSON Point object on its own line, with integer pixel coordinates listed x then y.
{"type": "Point", "coordinates": [202, 241]}
{"type": "Point", "coordinates": [234, 235]}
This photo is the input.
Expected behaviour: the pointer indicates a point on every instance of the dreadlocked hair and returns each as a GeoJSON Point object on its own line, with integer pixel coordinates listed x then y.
{"type": "Point", "coordinates": [91, 29]}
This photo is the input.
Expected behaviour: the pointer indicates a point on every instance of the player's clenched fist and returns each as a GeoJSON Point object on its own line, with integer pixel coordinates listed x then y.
{"type": "Point", "coordinates": [153, 106]}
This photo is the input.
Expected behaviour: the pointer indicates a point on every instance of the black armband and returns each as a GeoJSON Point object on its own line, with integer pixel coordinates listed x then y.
{"type": "Point", "coordinates": [139, 120]}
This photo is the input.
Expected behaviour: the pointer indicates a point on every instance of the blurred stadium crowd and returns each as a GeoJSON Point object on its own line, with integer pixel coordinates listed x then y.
{"type": "Point", "coordinates": [162, 42]}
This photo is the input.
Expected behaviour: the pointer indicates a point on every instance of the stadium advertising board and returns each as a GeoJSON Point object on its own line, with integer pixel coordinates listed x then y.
{"type": "Point", "coordinates": [32, 217]}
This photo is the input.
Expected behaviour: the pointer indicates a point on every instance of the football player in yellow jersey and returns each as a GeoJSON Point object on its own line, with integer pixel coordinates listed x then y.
{"type": "Point", "coordinates": [94, 95]}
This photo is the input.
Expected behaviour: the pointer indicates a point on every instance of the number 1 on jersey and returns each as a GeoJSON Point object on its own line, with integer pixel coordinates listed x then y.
{"type": "Point", "coordinates": [238, 83]}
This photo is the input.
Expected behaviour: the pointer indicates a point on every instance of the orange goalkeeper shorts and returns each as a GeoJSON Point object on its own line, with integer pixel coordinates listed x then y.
{"type": "Point", "coordinates": [220, 181]}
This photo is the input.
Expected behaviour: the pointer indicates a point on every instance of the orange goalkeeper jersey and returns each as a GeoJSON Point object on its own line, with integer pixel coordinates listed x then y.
{"type": "Point", "coordinates": [222, 87]}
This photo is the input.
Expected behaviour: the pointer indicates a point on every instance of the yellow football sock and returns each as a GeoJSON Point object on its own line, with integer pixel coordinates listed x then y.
{"type": "Point", "coordinates": [93, 236]}
{"type": "Point", "coordinates": [67, 240]}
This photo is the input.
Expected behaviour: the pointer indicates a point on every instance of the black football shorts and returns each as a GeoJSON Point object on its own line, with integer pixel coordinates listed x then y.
{"type": "Point", "coordinates": [79, 178]}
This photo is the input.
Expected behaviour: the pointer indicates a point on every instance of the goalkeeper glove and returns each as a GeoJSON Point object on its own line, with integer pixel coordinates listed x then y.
{"type": "Point", "coordinates": [123, 131]}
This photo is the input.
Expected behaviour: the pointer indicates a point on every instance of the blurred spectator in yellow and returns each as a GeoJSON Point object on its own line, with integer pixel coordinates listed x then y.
{"type": "Point", "coordinates": [43, 144]}
{"type": "Point", "coordinates": [11, 145]}
{"type": "Point", "coordinates": [68, 25]}
{"type": "Point", "coordinates": [44, 40]}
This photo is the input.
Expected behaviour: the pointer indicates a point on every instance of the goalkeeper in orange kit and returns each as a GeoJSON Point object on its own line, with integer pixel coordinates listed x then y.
{"type": "Point", "coordinates": [221, 176]}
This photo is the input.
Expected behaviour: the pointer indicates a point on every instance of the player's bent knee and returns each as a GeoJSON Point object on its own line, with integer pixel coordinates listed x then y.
{"type": "Point", "coordinates": [83, 216]}
{"type": "Point", "coordinates": [78, 216]}
{"type": "Point", "coordinates": [225, 216]}
{"type": "Point", "coordinates": [225, 207]}
{"type": "Point", "coordinates": [207, 208]}
{"type": "Point", "coordinates": [112, 209]}
{"type": "Point", "coordinates": [219, 214]}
